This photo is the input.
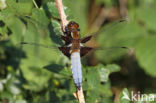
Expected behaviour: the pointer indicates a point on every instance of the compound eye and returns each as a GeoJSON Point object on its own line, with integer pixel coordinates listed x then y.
{"type": "Point", "coordinates": [72, 34]}
{"type": "Point", "coordinates": [76, 26]}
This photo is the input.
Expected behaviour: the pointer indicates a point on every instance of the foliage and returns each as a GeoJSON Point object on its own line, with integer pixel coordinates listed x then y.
{"type": "Point", "coordinates": [34, 74]}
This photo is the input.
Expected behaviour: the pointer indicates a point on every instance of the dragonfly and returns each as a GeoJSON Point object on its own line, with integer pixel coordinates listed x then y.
{"type": "Point", "coordinates": [74, 49]}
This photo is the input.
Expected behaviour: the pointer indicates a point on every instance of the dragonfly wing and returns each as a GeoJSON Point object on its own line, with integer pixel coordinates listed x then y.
{"type": "Point", "coordinates": [85, 50]}
{"type": "Point", "coordinates": [85, 39]}
{"type": "Point", "coordinates": [67, 39]}
{"type": "Point", "coordinates": [108, 54]}
{"type": "Point", "coordinates": [109, 27]}
{"type": "Point", "coordinates": [65, 51]}
{"type": "Point", "coordinates": [39, 50]}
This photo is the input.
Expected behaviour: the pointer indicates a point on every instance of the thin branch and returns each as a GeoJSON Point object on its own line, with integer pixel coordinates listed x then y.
{"type": "Point", "coordinates": [79, 93]}
{"type": "Point", "coordinates": [35, 4]}
{"type": "Point", "coordinates": [62, 14]}
{"type": "Point", "coordinates": [123, 8]}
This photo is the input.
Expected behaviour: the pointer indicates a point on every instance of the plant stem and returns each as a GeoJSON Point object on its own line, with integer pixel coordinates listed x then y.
{"type": "Point", "coordinates": [62, 14]}
{"type": "Point", "coordinates": [35, 4]}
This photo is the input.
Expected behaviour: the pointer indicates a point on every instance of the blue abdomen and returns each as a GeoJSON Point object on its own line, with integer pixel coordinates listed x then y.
{"type": "Point", "coordinates": [76, 69]}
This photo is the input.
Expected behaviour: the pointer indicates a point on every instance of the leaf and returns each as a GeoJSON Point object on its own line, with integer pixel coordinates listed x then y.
{"type": "Point", "coordinates": [105, 71]}
{"type": "Point", "coordinates": [113, 68]}
{"type": "Point", "coordinates": [78, 17]}
{"type": "Point", "coordinates": [17, 30]}
{"type": "Point", "coordinates": [59, 69]}
{"type": "Point", "coordinates": [93, 78]}
{"type": "Point", "coordinates": [39, 18]}
{"type": "Point", "coordinates": [51, 9]}
{"type": "Point", "coordinates": [125, 96]}
{"type": "Point", "coordinates": [37, 57]}
{"type": "Point", "coordinates": [22, 7]}
{"type": "Point", "coordinates": [6, 14]}
{"type": "Point", "coordinates": [145, 53]}
{"type": "Point", "coordinates": [93, 96]}
{"type": "Point", "coordinates": [147, 18]}
{"type": "Point", "coordinates": [3, 28]}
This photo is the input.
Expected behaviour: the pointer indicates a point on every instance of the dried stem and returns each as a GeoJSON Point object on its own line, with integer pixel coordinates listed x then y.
{"type": "Point", "coordinates": [79, 93]}
{"type": "Point", "coordinates": [35, 3]}
{"type": "Point", "coordinates": [123, 8]}
{"type": "Point", "coordinates": [62, 14]}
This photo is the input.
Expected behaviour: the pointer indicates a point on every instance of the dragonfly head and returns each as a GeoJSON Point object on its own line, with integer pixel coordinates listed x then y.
{"type": "Point", "coordinates": [73, 28]}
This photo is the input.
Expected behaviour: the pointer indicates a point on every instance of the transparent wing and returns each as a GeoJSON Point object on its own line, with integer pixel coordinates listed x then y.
{"type": "Point", "coordinates": [40, 51]}
{"type": "Point", "coordinates": [115, 39]}
{"type": "Point", "coordinates": [37, 39]}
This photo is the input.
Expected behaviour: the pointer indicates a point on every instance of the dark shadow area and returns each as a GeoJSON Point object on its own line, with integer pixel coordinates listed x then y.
{"type": "Point", "coordinates": [55, 68]}
{"type": "Point", "coordinates": [133, 76]}
{"type": "Point", "coordinates": [55, 38]}
{"type": "Point", "coordinates": [53, 97]}
{"type": "Point", "coordinates": [9, 56]}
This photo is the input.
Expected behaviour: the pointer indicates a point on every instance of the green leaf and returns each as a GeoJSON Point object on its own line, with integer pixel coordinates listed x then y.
{"type": "Point", "coordinates": [146, 55]}
{"type": "Point", "coordinates": [105, 71]}
{"type": "Point", "coordinates": [51, 9]}
{"type": "Point", "coordinates": [147, 16]}
{"type": "Point", "coordinates": [6, 14]}
{"type": "Point", "coordinates": [113, 68]}
{"type": "Point", "coordinates": [17, 29]}
{"type": "Point", "coordinates": [22, 7]}
{"type": "Point", "coordinates": [125, 96]}
{"type": "Point", "coordinates": [93, 78]}
{"type": "Point", "coordinates": [39, 18]}
{"type": "Point", "coordinates": [79, 15]}
{"type": "Point", "coordinates": [59, 69]}
{"type": "Point", "coordinates": [3, 28]}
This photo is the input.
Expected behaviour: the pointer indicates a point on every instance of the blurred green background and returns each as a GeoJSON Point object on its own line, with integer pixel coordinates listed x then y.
{"type": "Point", "coordinates": [34, 74]}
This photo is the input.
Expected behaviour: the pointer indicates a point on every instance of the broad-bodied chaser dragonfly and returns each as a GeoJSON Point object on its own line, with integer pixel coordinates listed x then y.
{"type": "Point", "coordinates": [74, 49]}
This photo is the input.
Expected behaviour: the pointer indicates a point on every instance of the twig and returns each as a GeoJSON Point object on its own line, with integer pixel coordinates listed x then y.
{"type": "Point", "coordinates": [79, 93]}
{"type": "Point", "coordinates": [123, 8]}
{"type": "Point", "coordinates": [62, 14]}
{"type": "Point", "coordinates": [35, 4]}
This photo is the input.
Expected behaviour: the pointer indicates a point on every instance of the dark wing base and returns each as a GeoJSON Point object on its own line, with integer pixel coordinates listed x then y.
{"type": "Point", "coordinates": [84, 50]}
{"type": "Point", "coordinates": [85, 39]}
{"type": "Point", "coordinates": [65, 51]}
{"type": "Point", "coordinates": [67, 39]}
